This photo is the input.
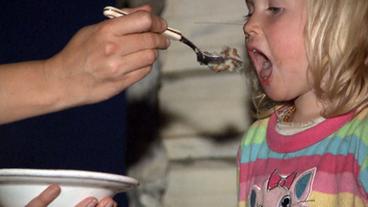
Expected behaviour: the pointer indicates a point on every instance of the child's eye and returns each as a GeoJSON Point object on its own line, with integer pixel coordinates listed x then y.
{"type": "Point", "coordinates": [275, 10]}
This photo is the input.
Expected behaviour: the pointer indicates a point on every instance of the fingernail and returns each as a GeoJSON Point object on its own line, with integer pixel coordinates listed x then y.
{"type": "Point", "coordinates": [165, 25]}
{"type": "Point", "coordinates": [53, 190]}
{"type": "Point", "coordinates": [111, 204]}
{"type": "Point", "coordinates": [92, 203]}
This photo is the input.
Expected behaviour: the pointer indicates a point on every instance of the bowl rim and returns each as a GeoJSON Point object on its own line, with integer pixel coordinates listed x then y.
{"type": "Point", "coordinates": [8, 174]}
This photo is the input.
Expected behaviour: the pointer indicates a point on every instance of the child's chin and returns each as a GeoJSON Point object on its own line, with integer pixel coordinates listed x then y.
{"type": "Point", "coordinates": [277, 97]}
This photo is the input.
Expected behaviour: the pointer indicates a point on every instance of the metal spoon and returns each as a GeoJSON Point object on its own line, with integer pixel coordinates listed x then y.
{"type": "Point", "coordinates": [204, 58]}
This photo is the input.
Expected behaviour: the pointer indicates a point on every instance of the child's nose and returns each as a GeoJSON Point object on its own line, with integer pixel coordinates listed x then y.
{"type": "Point", "coordinates": [251, 28]}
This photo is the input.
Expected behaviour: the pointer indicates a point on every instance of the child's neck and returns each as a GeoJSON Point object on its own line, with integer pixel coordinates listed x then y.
{"type": "Point", "coordinates": [307, 108]}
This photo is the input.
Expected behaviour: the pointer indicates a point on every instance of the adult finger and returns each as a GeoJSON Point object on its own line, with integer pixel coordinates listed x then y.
{"type": "Point", "coordinates": [88, 202]}
{"type": "Point", "coordinates": [107, 202]}
{"type": "Point", "coordinates": [128, 63]}
{"type": "Point", "coordinates": [137, 75]}
{"type": "Point", "coordinates": [45, 197]}
{"type": "Point", "coordinates": [135, 42]}
{"type": "Point", "coordinates": [132, 77]}
{"type": "Point", "coordinates": [137, 22]}
{"type": "Point", "coordinates": [145, 7]}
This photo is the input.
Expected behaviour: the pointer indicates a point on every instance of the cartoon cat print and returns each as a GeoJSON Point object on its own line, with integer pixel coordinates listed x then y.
{"type": "Point", "coordinates": [283, 191]}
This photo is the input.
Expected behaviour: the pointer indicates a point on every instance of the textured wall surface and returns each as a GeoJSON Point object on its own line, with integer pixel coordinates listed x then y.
{"type": "Point", "coordinates": [205, 113]}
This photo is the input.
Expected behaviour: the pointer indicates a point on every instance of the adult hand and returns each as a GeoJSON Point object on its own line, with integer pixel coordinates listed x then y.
{"type": "Point", "coordinates": [99, 62]}
{"type": "Point", "coordinates": [50, 193]}
{"type": "Point", "coordinates": [103, 59]}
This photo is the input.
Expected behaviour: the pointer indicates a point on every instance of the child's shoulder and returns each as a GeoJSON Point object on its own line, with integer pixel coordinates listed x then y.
{"type": "Point", "coordinates": [358, 126]}
{"type": "Point", "coordinates": [257, 130]}
{"type": "Point", "coordinates": [260, 124]}
{"type": "Point", "coordinates": [360, 120]}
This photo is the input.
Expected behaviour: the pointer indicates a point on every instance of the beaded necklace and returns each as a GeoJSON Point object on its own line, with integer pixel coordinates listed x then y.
{"type": "Point", "coordinates": [284, 113]}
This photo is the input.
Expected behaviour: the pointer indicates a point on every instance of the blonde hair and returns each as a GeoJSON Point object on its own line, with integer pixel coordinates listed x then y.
{"type": "Point", "coordinates": [336, 35]}
{"type": "Point", "coordinates": [337, 46]}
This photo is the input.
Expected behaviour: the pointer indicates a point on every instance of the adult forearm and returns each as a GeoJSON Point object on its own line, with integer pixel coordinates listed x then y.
{"type": "Point", "coordinates": [25, 91]}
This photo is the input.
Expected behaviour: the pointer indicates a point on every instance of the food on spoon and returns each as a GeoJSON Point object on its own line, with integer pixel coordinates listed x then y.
{"type": "Point", "coordinates": [232, 61]}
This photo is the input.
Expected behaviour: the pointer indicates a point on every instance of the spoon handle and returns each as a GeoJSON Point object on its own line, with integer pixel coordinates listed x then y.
{"type": "Point", "coordinates": [112, 12]}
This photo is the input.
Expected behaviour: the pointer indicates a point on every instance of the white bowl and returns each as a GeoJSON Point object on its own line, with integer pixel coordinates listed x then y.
{"type": "Point", "coordinates": [19, 186]}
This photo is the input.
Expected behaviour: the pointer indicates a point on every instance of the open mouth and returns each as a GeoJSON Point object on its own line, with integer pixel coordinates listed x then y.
{"type": "Point", "coordinates": [262, 64]}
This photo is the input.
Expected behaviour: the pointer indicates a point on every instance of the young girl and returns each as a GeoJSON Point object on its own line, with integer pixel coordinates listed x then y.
{"type": "Point", "coordinates": [311, 58]}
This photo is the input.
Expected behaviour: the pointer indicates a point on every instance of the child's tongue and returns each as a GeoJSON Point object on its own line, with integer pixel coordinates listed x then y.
{"type": "Point", "coordinates": [265, 67]}
{"type": "Point", "coordinates": [266, 70]}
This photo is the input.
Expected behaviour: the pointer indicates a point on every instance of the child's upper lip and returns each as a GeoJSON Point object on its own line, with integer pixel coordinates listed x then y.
{"type": "Point", "coordinates": [257, 56]}
{"type": "Point", "coordinates": [252, 49]}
